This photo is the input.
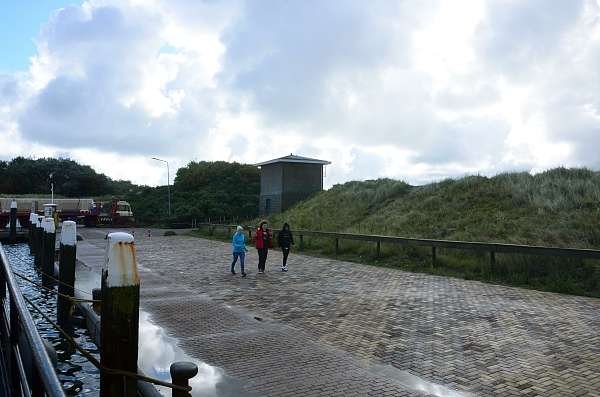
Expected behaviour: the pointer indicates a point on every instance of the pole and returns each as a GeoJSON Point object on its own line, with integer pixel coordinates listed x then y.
{"type": "Point", "coordinates": [169, 188]}
{"type": "Point", "coordinates": [120, 316]}
{"type": "Point", "coordinates": [38, 235]}
{"type": "Point", "coordinates": [32, 225]}
{"type": "Point", "coordinates": [13, 222]}
{"type": "Point", "coordinates": [66, 272]}
{"type": "Point", "coordinates": [49, 244]}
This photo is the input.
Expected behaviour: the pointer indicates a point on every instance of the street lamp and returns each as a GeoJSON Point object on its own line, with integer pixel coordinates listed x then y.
{"type": "Point", "coordinates": [168, 182]}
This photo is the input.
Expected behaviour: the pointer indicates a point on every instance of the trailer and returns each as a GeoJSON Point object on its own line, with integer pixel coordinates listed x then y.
{"type": "Point", "coordinates": [113, 213]}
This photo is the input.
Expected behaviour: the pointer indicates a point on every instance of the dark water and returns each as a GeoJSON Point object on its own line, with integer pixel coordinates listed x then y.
{"type": "Point", "coordinates": [77, 375]}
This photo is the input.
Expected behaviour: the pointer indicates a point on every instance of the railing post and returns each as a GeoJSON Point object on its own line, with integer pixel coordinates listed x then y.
{"type": "Point", "coordinates": [301, 242]}
{"type": "Point", "coordinates": [181, 373]}
{"type": "Point", "coordinates": [337, 246]}
{"type": "Point", "coordinates": [32, 225]}
{"type": "Point", "coordinates": [378, 249]}
{"type": "Point", "coordinates": [14, 340]}
{"type": "Point", "coordinates": [119, 316]}
{"type": "Point", "coordinates": [49, 246]}
{"type": "Point", "coordinates": [66, 272]}
{"type": "Point", "coordinates": [433, 256]}
{"type": "Point", "coordinates": [38, 235]}
{"type": "Point", "coordinates": [12, 237]}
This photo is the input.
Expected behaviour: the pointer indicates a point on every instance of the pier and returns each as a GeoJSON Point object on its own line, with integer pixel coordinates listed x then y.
{"type": "Point", "coordinates": [334, 328]}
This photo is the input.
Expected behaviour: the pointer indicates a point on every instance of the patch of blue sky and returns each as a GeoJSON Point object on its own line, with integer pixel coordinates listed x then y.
{"type": "Point", "coordinates": [20, 23]}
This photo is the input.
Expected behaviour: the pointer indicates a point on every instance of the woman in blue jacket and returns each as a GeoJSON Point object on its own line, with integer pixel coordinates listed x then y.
{"type": "Point", "coordinates": [238, 244]}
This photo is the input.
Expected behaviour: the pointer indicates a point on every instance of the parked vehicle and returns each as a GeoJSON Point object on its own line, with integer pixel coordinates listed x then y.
{"type": "Point", "coordinates": [117, 212]}
{"type": "Point", "coordinates": [66, 209]}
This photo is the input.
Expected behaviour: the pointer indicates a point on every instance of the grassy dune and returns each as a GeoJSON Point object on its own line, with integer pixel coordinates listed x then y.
{"type": "Point", "coordinates": [559, 207]}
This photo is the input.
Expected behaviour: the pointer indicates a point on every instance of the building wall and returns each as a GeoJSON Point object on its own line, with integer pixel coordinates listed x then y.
{"type": "Point", "coordinates": [271, 187]}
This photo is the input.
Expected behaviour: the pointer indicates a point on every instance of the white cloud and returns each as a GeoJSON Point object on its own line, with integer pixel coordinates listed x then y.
{"type": "Point", "coordinates": [412, 90]}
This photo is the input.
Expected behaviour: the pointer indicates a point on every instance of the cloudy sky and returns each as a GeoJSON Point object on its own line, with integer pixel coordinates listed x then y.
{"type": "Point", "coordinates": [417, 90]}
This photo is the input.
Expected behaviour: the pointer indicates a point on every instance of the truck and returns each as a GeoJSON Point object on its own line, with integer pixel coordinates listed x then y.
{"type": "Point", "coordinates": [83, 210]}
{"type": "Point", "coordinates": [117, 213]}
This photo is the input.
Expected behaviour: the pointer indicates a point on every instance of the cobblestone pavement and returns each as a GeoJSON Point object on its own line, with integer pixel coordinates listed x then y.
{"type": "Point", "coordinates": [470, 336]}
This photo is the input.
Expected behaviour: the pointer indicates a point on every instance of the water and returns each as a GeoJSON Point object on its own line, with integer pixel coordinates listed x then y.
{"type": "Point", "coordinates": [77, 375]}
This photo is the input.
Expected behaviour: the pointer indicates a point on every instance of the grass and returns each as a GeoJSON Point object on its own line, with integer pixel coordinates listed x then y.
{"type": "Point", "coordinates": [559, 207]}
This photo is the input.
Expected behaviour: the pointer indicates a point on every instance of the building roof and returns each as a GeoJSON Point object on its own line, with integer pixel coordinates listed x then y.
{"type": "Point", "coordinates": [292, 158]}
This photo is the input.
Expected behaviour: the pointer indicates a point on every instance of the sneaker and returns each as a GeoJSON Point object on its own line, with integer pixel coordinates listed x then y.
{"type": "Point", "coordinates": [285, 269]}
{"type": "Point", "coordinates": [233, 272]}
{"type": "Point", "coordinates": [261, 272]}
{"type": "Point", "coordinates": [243, 275]}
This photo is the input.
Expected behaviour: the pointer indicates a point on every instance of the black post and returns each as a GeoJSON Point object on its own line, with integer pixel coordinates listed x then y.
{"type": "Point", "coordinates": [378, 249]}
{"type": "Point", "coordinates": [12, 237]}
{"type": "Point", "coordinates": [66, 272]}
{"type": "Point", "coordinates": [433, 257]}
{"type": "Point", "coordinates": [301, 242]}
{"type": "Point", "coordinates": [32, 223]}
{"type": "Point", "coordinates": [492, 261]}
{"type": "Point", "coordinates": [120, 316]}
{"type": "Point", "coordinates": [39, 234]}
{"type": "Point", "coordinates": [181, 373]}
{"type": "Point", "coordinates": [337, 246]}
{"type": "Point", "coordinates": [49, 246]}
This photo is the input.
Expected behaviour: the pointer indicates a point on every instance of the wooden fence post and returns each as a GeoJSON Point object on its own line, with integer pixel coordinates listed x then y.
{"type": "Point", "coordinates": [12, 236]}
{"type": "Point", "coordinates": [337, 246]}
{"type": "Point", "coordinates": [378, 249]}
{"type": "Point", "coordinates": [433, 257]}
{"type": "Point", "coordinates": [66, 272]}
{"type": "Point", "coordinates": [301, 243]}
{"type": "Point", "coordinates": [492, 261]}
{"type": "Point", "coordinates": [119, 316]}
{"type": "Point", "coordinates": [49, 246]}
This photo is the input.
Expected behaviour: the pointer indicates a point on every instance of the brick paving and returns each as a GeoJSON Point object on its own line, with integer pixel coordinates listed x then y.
{"type": "Point", "coordinates": [336, 328]}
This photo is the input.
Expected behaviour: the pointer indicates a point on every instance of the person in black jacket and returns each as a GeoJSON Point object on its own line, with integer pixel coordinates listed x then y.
{"type": "Point", "coordinates": [285, 240]}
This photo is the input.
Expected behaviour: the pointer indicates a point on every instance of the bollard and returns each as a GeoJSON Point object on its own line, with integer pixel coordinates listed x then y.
{"type": "Point", "coordinates": [12, 236]}
{"type": "Point", "coordinates": [32, 225]}
{"type": "Point", "coordinates": [48, 248]}
{"type": "Point", "coordinates": [119, 315]}
{"type": "Point", "coordinates": [39, 233]}
{"type": "Point", "coordinates": [181, 373]}
{"type": "Point", "coordinates": [66, 272]}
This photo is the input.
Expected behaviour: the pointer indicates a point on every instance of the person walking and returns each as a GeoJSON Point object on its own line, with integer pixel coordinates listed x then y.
{"type": "Point", "coordinates": [264, 241]}
{"type": "Point", "coordinates": [285, 240]}
{"type": "Point", "coordinates": [238, 244]}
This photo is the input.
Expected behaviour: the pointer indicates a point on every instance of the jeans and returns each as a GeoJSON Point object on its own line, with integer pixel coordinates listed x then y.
{"type": "Point", "coordinates": [242, 256]}
{"type": "Point", "coordinates": [262, 258]}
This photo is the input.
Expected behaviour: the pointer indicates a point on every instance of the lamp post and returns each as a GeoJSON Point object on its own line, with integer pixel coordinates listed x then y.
{"type": "Point", "coordinates": [168, 182]}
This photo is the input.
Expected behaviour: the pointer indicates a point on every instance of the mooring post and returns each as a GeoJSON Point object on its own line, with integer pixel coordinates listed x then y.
{"type": "Point", "coordinates": [66, 272]}
{"type": "Point", "coordinates": [49, 246]}
{"type": "Point", "coordinates": [181, 373]}
{"type": "Point", "coordinates": [32, 225]}
{"type": "Point", "coordinates": [119, 316]}
{"type": "Point", "coordinates": [12, 236]}
{"type": "Point", "coordinates": [433, 257]}
{"type": "Point", "coordinates": [38, 235]}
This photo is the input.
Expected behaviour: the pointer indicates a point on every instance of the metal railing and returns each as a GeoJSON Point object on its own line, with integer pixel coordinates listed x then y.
{"type": "Point", "coordinates": [29, 369]}
{"type": "Point", "coordinates": [491, 248]}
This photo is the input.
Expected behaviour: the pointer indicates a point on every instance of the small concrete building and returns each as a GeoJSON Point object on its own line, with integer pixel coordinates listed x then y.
{"type": "Point", "coordinates": [288, 180]}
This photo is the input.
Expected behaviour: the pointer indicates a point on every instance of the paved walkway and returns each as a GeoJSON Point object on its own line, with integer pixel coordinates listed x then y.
{"type": "Point", "coordinates": [336, 328]}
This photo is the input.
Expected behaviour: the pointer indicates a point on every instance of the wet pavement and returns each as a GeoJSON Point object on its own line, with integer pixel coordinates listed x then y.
{"type": "Point", "coordinates": [333, 328]}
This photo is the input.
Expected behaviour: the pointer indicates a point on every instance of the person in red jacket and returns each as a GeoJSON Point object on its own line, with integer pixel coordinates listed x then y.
{"type": "Point", "coordinates": [264, 241]}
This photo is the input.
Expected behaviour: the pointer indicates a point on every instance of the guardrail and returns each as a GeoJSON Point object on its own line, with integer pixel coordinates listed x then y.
{"type": "Point", "coordinates": [29, 371]}
{"type": "Point", "coordinates": [491, 248]}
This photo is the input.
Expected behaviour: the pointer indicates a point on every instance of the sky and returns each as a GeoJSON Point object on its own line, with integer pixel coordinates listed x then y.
{"type": "Point", "coordinates": [413, 90]}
